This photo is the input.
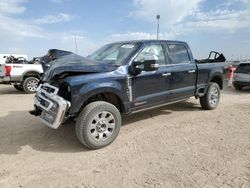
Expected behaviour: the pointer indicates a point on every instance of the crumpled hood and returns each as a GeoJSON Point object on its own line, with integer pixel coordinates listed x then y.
{"type": "Point", "coordinates": [76, 64]}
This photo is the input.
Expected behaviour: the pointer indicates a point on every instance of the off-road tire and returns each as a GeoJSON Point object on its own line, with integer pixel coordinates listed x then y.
{"type": "Point", "coordinates": [212, 98]}
{"type": "Point", "coordinates": [87, 130]}
{"type": "Point", "coordinates": [30, 84]}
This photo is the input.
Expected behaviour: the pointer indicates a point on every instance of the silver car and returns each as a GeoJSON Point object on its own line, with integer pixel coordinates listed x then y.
{"type": "Point", "coordinates": [241, 76]}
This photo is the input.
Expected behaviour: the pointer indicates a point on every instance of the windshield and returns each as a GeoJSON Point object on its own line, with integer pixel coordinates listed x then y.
{"type": "Point", "coordinates": [113, 53]}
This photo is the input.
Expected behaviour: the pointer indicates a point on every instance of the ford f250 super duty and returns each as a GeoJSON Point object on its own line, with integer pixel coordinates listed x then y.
{"type": "Point", "coordinates": [123, 78]}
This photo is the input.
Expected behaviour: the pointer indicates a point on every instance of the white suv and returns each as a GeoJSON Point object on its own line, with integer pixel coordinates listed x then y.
{"type": "Point", "coordinates": [242, 76]}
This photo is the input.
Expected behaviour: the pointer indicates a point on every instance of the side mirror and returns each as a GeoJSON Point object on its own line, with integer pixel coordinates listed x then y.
{"type": "Point", "coordinates": [148, 63]}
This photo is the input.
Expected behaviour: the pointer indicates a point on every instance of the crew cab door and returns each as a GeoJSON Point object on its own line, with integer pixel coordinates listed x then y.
{"type": "Point", "coordinates": [183, 71]}
{"type": "Point", "coordinates": [150, 87]}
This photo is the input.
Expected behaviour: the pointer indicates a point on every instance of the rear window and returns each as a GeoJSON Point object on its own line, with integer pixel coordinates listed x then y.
{"type": "Point", "coordinates": [178, 54]}
{"type": "Point", "coordinates": [243, 68]}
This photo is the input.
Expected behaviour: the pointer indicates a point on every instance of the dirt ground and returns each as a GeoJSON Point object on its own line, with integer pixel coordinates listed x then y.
{"type": "Point", "coordinates": [175, 146]}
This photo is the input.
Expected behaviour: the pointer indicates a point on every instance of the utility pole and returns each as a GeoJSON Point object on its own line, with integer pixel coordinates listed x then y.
{"type": "Point", "coordinates": [158, 26]}
{"type": "Point", "coordinates": [75, 44]}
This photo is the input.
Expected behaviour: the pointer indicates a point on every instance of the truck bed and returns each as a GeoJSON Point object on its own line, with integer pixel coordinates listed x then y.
{"type": "Point", "coordinates": [208, 70]}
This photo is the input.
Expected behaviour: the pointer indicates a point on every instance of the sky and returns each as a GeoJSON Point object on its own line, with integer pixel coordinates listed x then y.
{"type": "Point", "coordinates": [33, 27]}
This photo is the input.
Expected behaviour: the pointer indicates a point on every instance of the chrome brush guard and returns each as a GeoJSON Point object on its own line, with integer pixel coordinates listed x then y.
{"type": "Point", "coordinates": [52, 105]}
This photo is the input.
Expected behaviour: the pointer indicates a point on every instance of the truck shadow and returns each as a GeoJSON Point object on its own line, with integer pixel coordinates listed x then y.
{"type": "Point", "coordinates": [10, 90]}
{"type": "Point", "coordinates": [164, 110]}
{"type": "Point", "coordinates": [19, 131]}
{"type": "Point", "coordinates": [231, 90]}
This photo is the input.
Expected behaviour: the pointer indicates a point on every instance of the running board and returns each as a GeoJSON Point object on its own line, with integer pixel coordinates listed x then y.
{"type": "Point", "coordinates": [157, 106]}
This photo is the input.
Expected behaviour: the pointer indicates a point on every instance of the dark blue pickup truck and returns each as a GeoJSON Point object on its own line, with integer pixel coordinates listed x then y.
{"type": "Point", "coordinates": [123, 78]}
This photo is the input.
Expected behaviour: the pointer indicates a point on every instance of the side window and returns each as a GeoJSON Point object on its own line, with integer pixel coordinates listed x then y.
{"type": "Point", "coordinates": [178, 54]}
{"type": "Point", "coordinates": [154, 50]}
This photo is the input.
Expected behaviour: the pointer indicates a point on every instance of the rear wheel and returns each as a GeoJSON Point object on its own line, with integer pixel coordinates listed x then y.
{"type": "Point", "coordinates": [212, 98]}
{"type": "Point", "coordinates": [30, 84]}
{"type": "Point", "coordinates": [18, 87]}
{"type": "Point", "coordinates": [237, 87]}
{"type": "Point", "coordinates": [98, 125]}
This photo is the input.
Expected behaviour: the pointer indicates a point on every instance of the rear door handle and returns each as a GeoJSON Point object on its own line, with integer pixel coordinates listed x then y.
{"type": "Point", "coordinates": [166, 74]}
{"type": "Point", "coordinates": [191, 71]}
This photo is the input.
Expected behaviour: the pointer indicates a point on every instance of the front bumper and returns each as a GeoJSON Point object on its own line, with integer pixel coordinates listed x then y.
{"type": "Point", "coordinates": [53, 107]}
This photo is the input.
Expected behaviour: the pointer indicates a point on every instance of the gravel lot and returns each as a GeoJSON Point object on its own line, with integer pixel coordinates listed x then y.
{"type": "Point", "coordinates": [175, 146]}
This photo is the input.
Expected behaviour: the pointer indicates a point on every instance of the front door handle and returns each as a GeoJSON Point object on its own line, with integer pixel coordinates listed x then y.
{"type": "Point", "coordinates": [191, 71]}
{"type": "Point", "coordinates": [166, 74]}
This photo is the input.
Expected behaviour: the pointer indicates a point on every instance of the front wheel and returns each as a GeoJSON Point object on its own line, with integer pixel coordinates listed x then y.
{"type": "Point", "coordinates": [30, 84]}
{"type": "Point", "coordinates": [98, 125]}
{"type": "Point", "coordinates": [212, 98]}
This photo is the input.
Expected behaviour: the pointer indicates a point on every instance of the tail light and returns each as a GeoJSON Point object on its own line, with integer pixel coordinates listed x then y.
{"type": "Point", "coordinates": [230, 72]}
{"type": "Point", "coordinates": [7, 70]}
